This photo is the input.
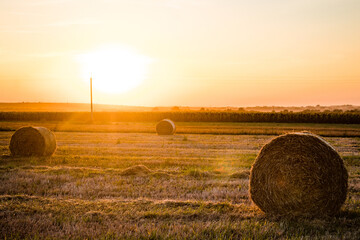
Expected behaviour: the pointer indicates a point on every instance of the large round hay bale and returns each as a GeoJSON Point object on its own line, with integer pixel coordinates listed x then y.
{"type": "Point", "coordinates": [32, 141]}
{"type": "Point", "coordinates": [165, 127]}
{"type": "Point", "coordinates": [298, 174]}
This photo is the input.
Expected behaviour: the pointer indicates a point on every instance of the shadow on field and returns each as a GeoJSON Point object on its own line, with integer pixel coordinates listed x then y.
{"type": "Point", "coordinates": [18, 161]}
{"type": "Point", "coordinates": [349, 214]}
{"type": "Point", "coordinates": [5, 157]}
{"type": "Point", "coordinates": [346, 222]}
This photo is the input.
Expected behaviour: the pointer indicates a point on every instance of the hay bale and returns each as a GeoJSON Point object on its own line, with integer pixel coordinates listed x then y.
{"type": "Point", "coordinates": [165, 127]}
{"type": "Point", "coordinates": [32, 141]}
{"type": "Point", "coordinates": [298, 174]}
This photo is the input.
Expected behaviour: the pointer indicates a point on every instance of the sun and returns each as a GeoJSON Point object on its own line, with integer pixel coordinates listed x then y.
{"type": "Point", "coordinates": [114, 69]}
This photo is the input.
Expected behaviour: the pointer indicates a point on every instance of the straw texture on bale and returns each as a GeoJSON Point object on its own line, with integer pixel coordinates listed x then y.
{"type": "Point", "coordinates": [298, 174]}
{"type": "Point", "coordinates": [32, 141]}
{"type": "Point", "coordinates": [165, 127]}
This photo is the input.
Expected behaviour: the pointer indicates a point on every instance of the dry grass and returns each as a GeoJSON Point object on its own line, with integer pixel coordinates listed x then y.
{"type": "Point", "coordinates": [193, 189]}
{"type": "Point", "coordinates": [136, 170]}
{"type": "Point", "coordinates": [241, 174]}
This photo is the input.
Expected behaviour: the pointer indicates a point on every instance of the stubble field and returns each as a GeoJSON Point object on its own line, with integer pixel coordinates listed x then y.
{"type": "Point", "coordinates": [108, 185]}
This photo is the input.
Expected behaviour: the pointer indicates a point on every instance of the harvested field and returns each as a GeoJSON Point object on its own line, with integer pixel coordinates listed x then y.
{"type": "Point", "coordinates": [140, 185]}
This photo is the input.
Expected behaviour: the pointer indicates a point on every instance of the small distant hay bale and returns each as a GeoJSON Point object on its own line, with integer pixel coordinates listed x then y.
{"type": "Point", "coordinates": [298, 174]}
{"type": "Point", "coordinates": [165, 127]}
{"type": "Point", "coordinates": [136, 170]}
{"type": "Point", "coordinates": [32, 141]}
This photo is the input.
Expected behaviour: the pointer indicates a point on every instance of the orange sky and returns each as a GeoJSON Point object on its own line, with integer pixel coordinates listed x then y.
{"type": "Point", "coordinates": [197, 52]}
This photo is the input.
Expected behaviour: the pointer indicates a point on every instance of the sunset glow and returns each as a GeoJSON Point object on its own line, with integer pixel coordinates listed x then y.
{"type": "Point", "coordinates": [179, 119]}
{"type": "Point", "coordinates": [181, 53]}
{"type": "Point", "coordinates": [114, 69]}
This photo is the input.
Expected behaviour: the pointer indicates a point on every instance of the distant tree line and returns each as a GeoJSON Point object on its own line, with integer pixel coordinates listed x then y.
{"type": "Point", "coordinates": [189, 116]}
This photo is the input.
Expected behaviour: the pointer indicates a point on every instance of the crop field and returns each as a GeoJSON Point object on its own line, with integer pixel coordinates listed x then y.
{"type": "Point", "coordinates": [216, 128]}
{"type": "Point", "coordinates": [108, 181]}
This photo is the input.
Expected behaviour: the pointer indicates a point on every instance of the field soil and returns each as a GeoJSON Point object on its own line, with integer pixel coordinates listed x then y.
{"type": "Point", "coordinates": [133, 185]}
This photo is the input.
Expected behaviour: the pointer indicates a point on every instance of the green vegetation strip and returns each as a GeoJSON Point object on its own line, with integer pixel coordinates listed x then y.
{"type": "Point", "coordinates": [218, 128]}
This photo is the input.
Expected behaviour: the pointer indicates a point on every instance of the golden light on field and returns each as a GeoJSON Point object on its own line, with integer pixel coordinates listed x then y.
{"type": "Point", "coordinates": [114, 69]}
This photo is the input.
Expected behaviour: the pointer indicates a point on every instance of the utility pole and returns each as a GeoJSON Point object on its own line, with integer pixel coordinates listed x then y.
{"type": "Point", "coordinates": [91, 99]}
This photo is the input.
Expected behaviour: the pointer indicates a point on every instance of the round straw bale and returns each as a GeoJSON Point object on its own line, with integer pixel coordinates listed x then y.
{"type": "Point", "coordinates": [298, 174]}
{"type": "Point", "coordinates": [32, 141]}
{"type": "Point", "coordinates": [165, 127]}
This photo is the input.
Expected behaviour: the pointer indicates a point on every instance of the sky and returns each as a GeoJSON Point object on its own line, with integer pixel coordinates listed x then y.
{"type": "Point", "coordinates": [181, 52]}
